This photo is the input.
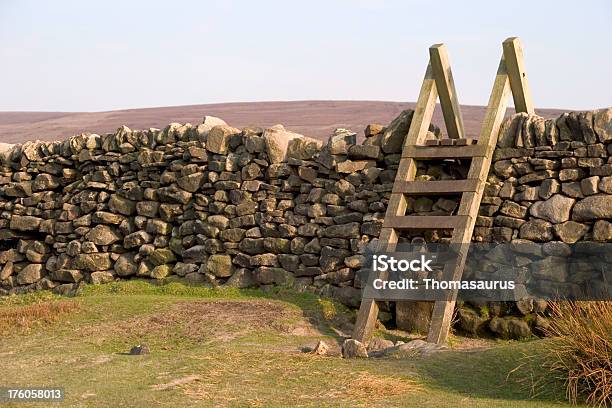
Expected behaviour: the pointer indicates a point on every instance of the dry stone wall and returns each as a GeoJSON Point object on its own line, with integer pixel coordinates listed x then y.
{"type": "Point", "coordinates": [246, 207]}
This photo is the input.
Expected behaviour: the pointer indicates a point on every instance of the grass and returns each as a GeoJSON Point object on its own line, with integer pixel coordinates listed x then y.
{"type": "Point", "coordinates": [580, 352]}
{"type": "Point", "coordinates": [229, 347]}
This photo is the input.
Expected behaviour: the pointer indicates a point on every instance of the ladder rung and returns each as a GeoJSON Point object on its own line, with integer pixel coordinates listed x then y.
{"type": "Point", "coordinates": [436, 187]}
{"type": "Point", "coordinates": [426, 221]}
{"type": "Point", "coordinates": [443, 152]}
{"type": "Point", "coordinates": [453, 142]}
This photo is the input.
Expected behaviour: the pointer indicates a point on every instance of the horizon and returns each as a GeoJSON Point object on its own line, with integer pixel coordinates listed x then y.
{"type": "Point", "coordinates": [277, 102]}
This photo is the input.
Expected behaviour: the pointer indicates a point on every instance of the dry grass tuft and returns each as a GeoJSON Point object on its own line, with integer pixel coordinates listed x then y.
{"type": "Point", "coordinates": [367, 385]}
{"type": "Point", "coordinates": [19, 319]}
{"type": "Point", "coordinates": [580, 353]}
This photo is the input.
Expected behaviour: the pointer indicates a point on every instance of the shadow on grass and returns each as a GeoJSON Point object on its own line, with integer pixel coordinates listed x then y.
{"type": "Point", "coordinates": [491, 373]}
{"type": "Point", "coordinates": [330, 318]}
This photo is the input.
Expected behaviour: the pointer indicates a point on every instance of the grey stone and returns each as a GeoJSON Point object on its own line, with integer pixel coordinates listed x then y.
{"type": "Point", "coordinates": [121, 205]}
{"type": "Point", "coordinates": [125, 265]}
{"type": "Point", "coordinates": [218, 138]}
{"type": "Point", "coordinates": [556, 209]}
{"type": "Point", "coordinates": [103, 235]}
{"type": "Point", "coordinates": [98, 261]}
{"type": "Point", "coordinates": [592, 208]}
{"type": "Point", "coordinates": [352, 348]}
{"type": "Point", "coordinates": [25, 223]}
{"type": "Point", "coordinates": [220, 265]}
{"type": "Point", "coordinates": [31, 273]}
{"type": "Point", "coordinates": [570, 231]}
{"type": "Point", "coordinates": [536, 230]}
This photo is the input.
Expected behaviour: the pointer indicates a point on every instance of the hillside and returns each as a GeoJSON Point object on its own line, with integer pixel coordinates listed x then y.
{"type": "Point", "coordinates": [311, 118]}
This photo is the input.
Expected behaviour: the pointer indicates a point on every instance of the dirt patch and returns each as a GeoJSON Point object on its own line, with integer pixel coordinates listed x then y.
{"type": "Point", "coordinates": [20, 319]}
{"type": "Point", "coordinates": [176, 382]}
{"type": "Point", "coordinates": [206, 321]}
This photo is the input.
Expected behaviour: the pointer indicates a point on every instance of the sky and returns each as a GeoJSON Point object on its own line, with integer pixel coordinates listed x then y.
{"type": "Point", "coordinates": [104, 55]}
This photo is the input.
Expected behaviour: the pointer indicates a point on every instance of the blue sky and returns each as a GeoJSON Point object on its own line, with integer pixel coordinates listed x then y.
{"type": "Point", "coordinates": [101, 55]}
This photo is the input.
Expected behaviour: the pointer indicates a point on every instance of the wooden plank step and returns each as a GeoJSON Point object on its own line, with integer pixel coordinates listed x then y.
{"type": "Point", "coordinates": [451, 142]}
{"type": "Point", "coordinates": [426, 221]}
{"type": "Point", "coordinates": [464, 142]}
{"type": "Point", "coordinates": [444, 152]}
{"type": "Point", "coordinates": [439, 187]}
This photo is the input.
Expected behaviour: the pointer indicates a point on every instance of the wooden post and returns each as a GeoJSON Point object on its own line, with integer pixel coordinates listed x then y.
{"type": "Point", "coordinates": [446, 89]}
{"type": "Point", "coordinates": [515, 66]}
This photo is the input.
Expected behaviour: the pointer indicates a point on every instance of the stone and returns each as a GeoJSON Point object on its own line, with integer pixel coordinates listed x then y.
{"type": "Point", "coordinates": [510, 130]}
{"type": "Point", "coordinates": [6, 270]}
{"type": "Point", "coordinates": [592, 208]}
{"type": "Point", "coordinates": [191, 183]}
{"type": "Point", "coordinates": [350, 166]}
{"type": "Point", "coordinates": [136, 239]}
{"type": "Point", "coordinates": [158, 227]}
{"type": "Point", "coordinates": [44, 182]}
{"type": "Point", "coordinates": [340, 141]}
{"type": "Point", "coordinates": [422, 347]}
{"type": "Point", "coordinates": [183, 269]}
{"type": "Point", "coordinates": [605, 185]}
{"type": "Point", "coordinates": [276, 140]}
{"type": "Point", "coordinates": [31, 273]}
{"type": "Point", "coordinates": [589, 185]}
{"type": "Point", "coordinates": [102, 235]}
{"type": "Point", "coordinates": [220, 265]}
{"type": "Point", "coordinates": [196, 254]}
{"type": "Point", "coordinates": [321, 349]}
{"type": "Point", "coordinates": [174, 194]}
{"type": "Point", "coordinates": [241, 279]}
{"type": "Point", "coordinates": [602, 231]}
{"type": "Point", "coordinates": [395, 133]}
{"type": "Point", "coordinates": [98, 261]}
{"type": "Point", "coordinates": [161, 256]}
{"type": "Point", "coordinates": [67, 275]}
{"type": "Point", "coordinates": [548, 188]}
{"type": "Point", "coordinates": [101, 277]}
{"type": "Point", "coordinates": [125, 265]}
{"type": "Point", "coordinates": [513, 209]}
{"type": "Point", "coordinates": [103, 217]}
{"type": "Point", "coordinates": [218, 138]}
{"type": "Point", "coordinates": [364, 152]}
{"type": "Point", "coordinates": [379, 344]}
{"type": "Point", "coordinates": [121, 205]}
{"type": "Point", "coordinates": [349, 230]}
{"type": "Point", "coordinates": [352, 348]}
{"type": "Point", "coordinates": [269, 275]}
{"type": "Point", "coordinates": [470, 321]}
{"type": "Point", "coordinates": [25, 223]}
{"type": "Point", "coordinates": [139, 350]}
{"type": "Point", "coordinates": [161, 271]}
{"type": "Point", "coordinates": [303, 148]}
{"type": "Point", "coordinates": [570, 231]}
{"type": "Point", "coordinates": [556, 209]}
{"type": "Point", "coordinates": [602, 124]}
{"type": "Point", "coordinates": [536, 230]}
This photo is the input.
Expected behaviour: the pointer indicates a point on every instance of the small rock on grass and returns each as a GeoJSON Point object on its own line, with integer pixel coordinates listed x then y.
{"type": "Point", "coordinates": [321, 349]}
{"type": "Point", "coordinates": [353, 348]}
{"type": "Point", "coordinates": [139, 350]}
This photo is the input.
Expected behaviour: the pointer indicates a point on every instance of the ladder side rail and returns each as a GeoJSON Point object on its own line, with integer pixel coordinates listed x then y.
{"type": "Point", "coordinates": [426, 103]}
{"type": "Point", "coordinates": [445, 84]}
{"type": "Point", "coordinates": [443, 310]}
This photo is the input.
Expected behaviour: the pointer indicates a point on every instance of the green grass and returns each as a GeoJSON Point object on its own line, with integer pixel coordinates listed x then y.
{"type": "Point", "coordinates": [229, 347]}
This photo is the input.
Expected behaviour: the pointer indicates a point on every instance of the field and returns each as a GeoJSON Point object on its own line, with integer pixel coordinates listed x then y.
{"type": "Point", "coordinates": [311, 118]}
{"type": "Point", "coordinates": [227, 347]}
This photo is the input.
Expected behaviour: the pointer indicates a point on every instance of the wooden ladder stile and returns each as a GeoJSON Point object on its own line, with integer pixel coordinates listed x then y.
{"type": "Point", "coordinates": [438, 82]}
